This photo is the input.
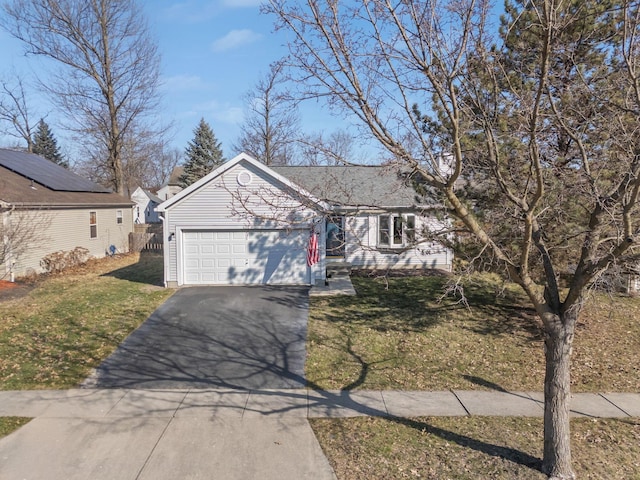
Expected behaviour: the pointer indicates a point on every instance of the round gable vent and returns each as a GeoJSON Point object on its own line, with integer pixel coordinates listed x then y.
{"type": "Point", "coordinates": [244, 178]}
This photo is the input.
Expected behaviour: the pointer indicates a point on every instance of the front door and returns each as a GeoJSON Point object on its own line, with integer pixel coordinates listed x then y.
{"type": "Point", "coordinates": [335, 236]}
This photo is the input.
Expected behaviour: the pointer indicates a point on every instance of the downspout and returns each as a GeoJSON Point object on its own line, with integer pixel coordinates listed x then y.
{"type": "Point", "coordinates": [8, 261]}
{"type": "Point", "coordinates": [165, 248]}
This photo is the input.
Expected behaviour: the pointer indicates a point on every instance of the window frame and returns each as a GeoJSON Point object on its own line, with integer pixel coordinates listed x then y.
{"type": "Point", "coordinates": [396, 230]}
{"type": "Point", "coordinates": [93, 224]}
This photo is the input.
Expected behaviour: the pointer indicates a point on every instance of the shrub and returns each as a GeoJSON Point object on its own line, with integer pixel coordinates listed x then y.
{"type": "Point", "coordinates": [56, 262]}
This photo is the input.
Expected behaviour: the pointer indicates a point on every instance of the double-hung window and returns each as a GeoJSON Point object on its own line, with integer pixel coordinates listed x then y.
{"type": "Point", "coordinates": [93, 224]}
{"type": "Point", "coordinates": [396, 230]}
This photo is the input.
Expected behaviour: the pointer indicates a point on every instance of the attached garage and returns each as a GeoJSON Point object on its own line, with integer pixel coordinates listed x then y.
{"type": "Point", "coordinates": [244, 257]}
{"type": "Point", "coordinates": [243, 224]}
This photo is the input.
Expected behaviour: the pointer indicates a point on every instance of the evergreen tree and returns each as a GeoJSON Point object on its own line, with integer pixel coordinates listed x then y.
{"type": "Point", "coordinates": [203, 154]}
{"type": "Point", "coordinates": [45, 145]}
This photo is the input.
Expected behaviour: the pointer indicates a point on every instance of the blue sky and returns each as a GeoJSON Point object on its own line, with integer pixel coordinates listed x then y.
{"type": "Point", "coordinates": [212, 53]}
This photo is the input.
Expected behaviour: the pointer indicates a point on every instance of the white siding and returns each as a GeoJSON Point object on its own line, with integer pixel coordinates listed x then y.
{"type": "Point", "coordinates": [361, 238]}
{"type": "Point", "coordinates": [144, 209]}
{"type": "Point", "coordinates": [64, 230]}
{"type": "Point", "coordinates": [231, 202]}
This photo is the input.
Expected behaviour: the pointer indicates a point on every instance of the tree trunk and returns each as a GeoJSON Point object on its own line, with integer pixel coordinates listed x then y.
{"type": "Point", "coordinates": [556, 462]}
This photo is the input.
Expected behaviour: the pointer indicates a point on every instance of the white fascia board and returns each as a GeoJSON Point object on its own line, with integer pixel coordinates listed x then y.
{"type": "Point", "coordinates": [229, 165]}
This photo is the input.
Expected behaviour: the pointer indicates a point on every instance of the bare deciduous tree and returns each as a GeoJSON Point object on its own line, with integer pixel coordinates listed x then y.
{"type": "Point", "coordinates": [271, 122]}
{"type": "Point", "coordinates": [108, 75]}
{"type": "Point", "coordinates": [14, 111]}
{"type": "Point", "coordinates": [544, 117]}
{"type": "Point", "coordinates": [336, 149]}
{"type": "Point", "coordinates": [146, 162]}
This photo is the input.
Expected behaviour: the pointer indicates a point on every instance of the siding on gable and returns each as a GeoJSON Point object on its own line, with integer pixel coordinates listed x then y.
{"type": "Point", "coordinates": [361, 237]}
{"type": "Point", "coordinates": [225, 203]}
{"type": "Point", "coordinates": [66, 229]}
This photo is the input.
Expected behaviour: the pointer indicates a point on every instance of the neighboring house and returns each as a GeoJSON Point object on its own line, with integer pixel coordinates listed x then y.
{"type": "Point", "coordinates": [45, 208]}
{"type": "Point", "coordinates": [144, 210]}
{"type": "Point", "coordinates": [172, 186]}
{"type": "Point", "coordinates": [246, 223]}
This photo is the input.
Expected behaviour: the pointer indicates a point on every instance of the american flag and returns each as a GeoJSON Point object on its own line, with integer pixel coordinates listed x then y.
{"type": "Point", "coordinates": [313, 254]}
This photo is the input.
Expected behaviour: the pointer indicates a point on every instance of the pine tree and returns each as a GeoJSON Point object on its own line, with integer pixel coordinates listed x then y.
{"type": "Point", "coordinates": [203, 153]}
{"type": "Point", "coordinates": [45, 145]}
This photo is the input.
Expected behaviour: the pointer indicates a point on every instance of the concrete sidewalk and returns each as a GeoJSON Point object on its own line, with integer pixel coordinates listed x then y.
{"type": "Point", "coordinates": [231, 434]}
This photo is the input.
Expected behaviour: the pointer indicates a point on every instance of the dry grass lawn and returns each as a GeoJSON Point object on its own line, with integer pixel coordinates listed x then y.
{"type": "Point", "coordinates": [394, 335]}
{"type": "Point", "coordinates": [65, 326]}
{"type": "Point", "coordinates": [405, 336]}
{"type": "Point", "coordinates": [400, 334]}
{"type": "Point", "coordinates": [472, 448]}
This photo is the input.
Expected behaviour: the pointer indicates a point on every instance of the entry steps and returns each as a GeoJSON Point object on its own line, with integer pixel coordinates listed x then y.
{"type": "Point", "coordinates": [337, 269]}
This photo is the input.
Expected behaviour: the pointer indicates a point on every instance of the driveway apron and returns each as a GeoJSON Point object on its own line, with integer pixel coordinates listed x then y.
{"type": "Point", "coordinates": [202, 337]}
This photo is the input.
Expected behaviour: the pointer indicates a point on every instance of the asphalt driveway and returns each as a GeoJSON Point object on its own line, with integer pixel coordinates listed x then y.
{"type": "Point", "coordinates": [228, 337]}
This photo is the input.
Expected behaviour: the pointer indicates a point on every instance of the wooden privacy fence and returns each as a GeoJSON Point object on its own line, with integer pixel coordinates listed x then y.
{"type": "Point", "coordinates": [146, 237]}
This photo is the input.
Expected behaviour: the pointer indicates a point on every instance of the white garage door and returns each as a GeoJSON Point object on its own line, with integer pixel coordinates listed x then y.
{"type": "Point", "coordinates": [245, 257]}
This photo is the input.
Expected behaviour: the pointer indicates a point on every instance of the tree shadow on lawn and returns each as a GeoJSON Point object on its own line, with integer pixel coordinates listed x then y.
{"type": "Point", "coordinates": [149, 270]}
{"type": "Point", "coordinates": [413, 304]}
{"type": "Point", "coordinates": [506, 453]}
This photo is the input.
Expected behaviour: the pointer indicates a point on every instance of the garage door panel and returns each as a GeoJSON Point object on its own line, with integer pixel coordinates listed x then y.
{"type": "Point", "coordinates": [192, 263]}
{"type": "Point", "coordinates": [192, 249]}
{"type": "Point", "coordinates": [222, 248]}
{"type": "Point", "coordinates": [252, 257]}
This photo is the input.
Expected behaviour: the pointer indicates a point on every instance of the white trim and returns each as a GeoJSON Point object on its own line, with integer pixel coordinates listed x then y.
{"type": "Point", "coordinates": [179, 239]}
{"type": "Point", "coordinates": [246, 180]}
{"type": "Point", "coordinates": [179, 256]}
{"type": "Point", "coordinates": [164, 206]}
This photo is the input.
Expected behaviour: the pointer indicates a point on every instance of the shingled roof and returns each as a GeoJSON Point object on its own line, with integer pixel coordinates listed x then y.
{"type": "Point", "coordinates": [28, 180]}
{"type": "Point", "coordinates": [354, 186]}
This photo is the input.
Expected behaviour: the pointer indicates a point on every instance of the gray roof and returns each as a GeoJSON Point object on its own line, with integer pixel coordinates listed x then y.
{"type": "Point", "coordinates": [354, 186]}
{"type": "Point", "coordinates": [176, 173]}
{"type": "Point", "coordinates": [154, 198]}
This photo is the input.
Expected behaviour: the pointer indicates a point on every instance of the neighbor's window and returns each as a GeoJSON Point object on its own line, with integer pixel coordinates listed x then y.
{"type": "Point", "coordinates": [93, 224]}
{"type": "Point", "coordinates": [396, 230]}
{"type": "Point", "coordinates": [119, 217]}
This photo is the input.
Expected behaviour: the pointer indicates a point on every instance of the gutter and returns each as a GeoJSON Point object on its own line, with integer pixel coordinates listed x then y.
{"type": "Point", "coordinates": [68, 206]}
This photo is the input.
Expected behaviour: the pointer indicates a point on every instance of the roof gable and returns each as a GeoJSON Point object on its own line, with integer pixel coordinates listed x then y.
{"type": "Point", "coordinates": [140, 194]}
{"type": "Point", "coordinates": [227, 166]}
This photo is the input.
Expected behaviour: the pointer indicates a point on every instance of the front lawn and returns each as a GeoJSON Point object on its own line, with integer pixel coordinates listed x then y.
{"type": "Point", "coordinates": [70, 322]}
{"type": "Point", "coordinates": [472, 448]}
{"type": "Point", "coordinates": [397, 334]}
{"type": "Point", "coordinates": [400, 334]}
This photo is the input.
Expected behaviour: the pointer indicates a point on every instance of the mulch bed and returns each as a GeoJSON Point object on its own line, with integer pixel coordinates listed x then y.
{"type": "Point", "coordinates": [399, 272]}
{"type": "Point", "coordinates": [12, 290]}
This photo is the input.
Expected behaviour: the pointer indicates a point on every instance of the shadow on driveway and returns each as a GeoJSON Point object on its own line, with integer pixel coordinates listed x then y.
{"type": "Point", "coordinates": [202, 337]}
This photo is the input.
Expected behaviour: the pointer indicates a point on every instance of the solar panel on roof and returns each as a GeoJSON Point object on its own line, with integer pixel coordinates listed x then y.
{"type": "Point", "coordinates": [47, 173]}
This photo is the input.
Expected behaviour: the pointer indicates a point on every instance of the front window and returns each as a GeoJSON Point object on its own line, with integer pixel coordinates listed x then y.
{"type": "Point", "coordinates": [93, 224]}
{"type": "Point", "coordinates": [396, 230]}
